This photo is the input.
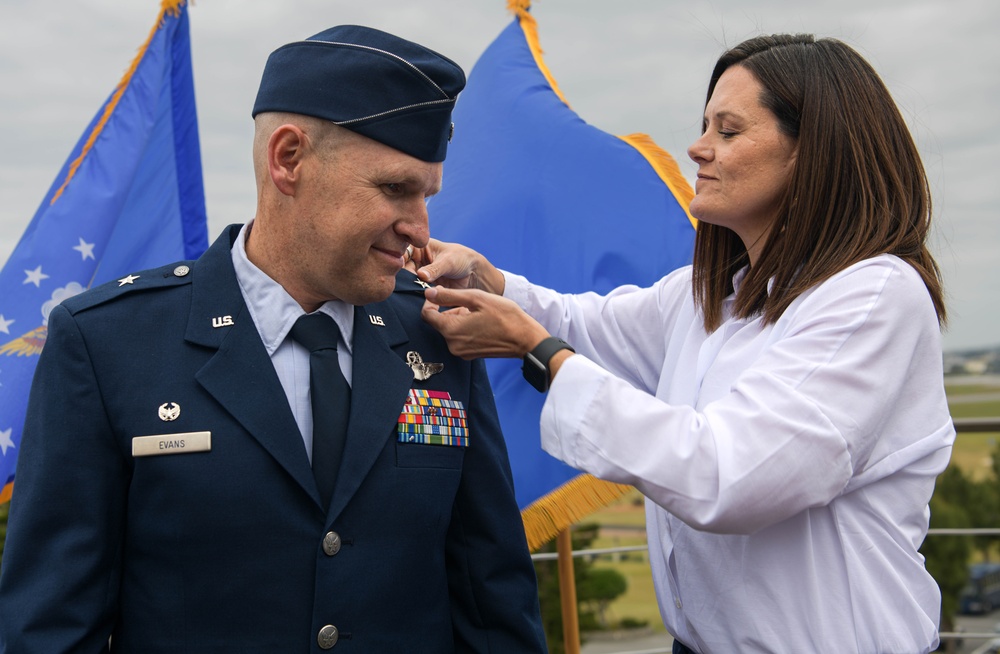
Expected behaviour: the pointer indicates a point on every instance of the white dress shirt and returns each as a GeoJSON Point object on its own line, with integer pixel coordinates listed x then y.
{"type": "Point", "coordinates": [787, 467]}
{"type": "Point", "coordinates": [274, 312]}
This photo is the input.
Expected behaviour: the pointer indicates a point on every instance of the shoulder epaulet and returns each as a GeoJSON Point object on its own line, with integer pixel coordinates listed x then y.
{"type": "Point", "coordinates": [174, 274]}
{"type": "Point", "coordinates": [409, 283]}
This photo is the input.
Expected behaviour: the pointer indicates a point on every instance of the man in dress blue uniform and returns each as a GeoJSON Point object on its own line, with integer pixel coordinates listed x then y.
{"type": "Point", "coordinates": [172, 492]}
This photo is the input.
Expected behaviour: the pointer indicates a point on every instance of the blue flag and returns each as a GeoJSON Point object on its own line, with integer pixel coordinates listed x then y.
{"type": "Point", "coordinates": [541, 193]}
{"type": "Point", "coordinates": [129, 197]}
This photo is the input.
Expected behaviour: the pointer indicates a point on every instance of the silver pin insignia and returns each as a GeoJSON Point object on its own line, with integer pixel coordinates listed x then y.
{"type": "Point", "coordinates": [376, 320]}
{"type": "Point", "coordinates": [424, 285]}
{"type": "Point", "coordinates": [169, 411]}
{"type": "Point", "coordinates": [421, 370]}
{"type": "Point", "coordinates": [222, 321]}
{"type": "Point", "coordinates": [127, 280]}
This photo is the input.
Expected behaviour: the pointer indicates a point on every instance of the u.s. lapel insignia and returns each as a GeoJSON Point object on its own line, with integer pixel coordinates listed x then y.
{"type": "Point", "coordinates": [222, 321]}
{"type": "Point", "coordinates": [169, 411]}
{"type": "Point", "coordinates": [422, 371]}
{"type": "Point", "coordinates": [376, 320]}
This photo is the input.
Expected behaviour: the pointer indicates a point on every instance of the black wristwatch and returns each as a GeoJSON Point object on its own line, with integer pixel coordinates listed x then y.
{"type": "Point", "coordinates": [536, 363]}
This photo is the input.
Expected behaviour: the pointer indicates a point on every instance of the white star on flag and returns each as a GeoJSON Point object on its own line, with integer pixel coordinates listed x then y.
{"type": "Point", "coordinates": [85, 249]}
{"type": "Point", "coordinates": [35, 276]}
{"type": "Point", "coordinates": [5, 441]}
{"type": "Point", "coordinates": [5, 324]}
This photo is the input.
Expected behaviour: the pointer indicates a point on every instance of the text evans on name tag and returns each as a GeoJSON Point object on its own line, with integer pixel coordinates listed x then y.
{"type": "Point", "coordinates": [192, 441]}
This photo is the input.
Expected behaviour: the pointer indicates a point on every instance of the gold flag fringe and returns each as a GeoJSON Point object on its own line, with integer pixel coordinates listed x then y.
{"type": "Point", "coordinates": [666, 167]}
{"type": "Point", "coordinates": [573, 501]}
{"type": "Point", "coordinates": [172, 7]}
{"type": "Point", "coordinates": [530, 27]}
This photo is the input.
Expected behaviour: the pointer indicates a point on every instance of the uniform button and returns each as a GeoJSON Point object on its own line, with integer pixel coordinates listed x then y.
{"type": "Point", "coordinates": [331, 543]}
{"type": "Point", "coordinates": [327, 637]}
{"type": "Point", "coordinates": [180, 271]}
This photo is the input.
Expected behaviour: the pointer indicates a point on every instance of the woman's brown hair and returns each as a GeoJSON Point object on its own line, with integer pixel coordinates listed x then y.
{"type": "Point", "coordinates": [858, 188]}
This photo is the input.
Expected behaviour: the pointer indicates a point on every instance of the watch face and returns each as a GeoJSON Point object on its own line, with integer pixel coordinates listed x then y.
{"type": "Point", "coordinates": [535, 372]}
{"type": "Point", "coordinates": [536, 362]}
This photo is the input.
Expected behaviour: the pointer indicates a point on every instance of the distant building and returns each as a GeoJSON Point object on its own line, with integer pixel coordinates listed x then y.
{"type": "Point", "coordinates": [972, 362]}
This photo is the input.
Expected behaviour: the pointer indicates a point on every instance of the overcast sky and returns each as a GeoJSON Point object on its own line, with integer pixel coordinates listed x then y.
{"type": "Point", "coordinates": [625, 66]}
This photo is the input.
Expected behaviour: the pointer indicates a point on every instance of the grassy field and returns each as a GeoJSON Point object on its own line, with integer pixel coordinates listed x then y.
{"type": "Point", "coordinates": [957, 390]}
{"type": "Point", "coordinates": [973, 451]}
{"type": "Point", "coordinates": [623, 523]}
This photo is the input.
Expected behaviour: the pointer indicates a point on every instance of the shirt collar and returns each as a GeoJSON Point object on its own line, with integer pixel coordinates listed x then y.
{"type": "Point", "coordinates": [273, 310]}
{"type": "Point", "coordinates": [741, 275]}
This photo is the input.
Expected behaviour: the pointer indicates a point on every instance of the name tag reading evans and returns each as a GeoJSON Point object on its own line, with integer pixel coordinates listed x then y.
{"type": "Point", "coordinates": [192, 441]}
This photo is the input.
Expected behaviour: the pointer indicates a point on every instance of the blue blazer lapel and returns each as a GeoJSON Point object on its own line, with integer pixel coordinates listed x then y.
{"type": "Point", "coordinates": [381, 381]}
{"type": "Point", "coordinates": [240, 376]}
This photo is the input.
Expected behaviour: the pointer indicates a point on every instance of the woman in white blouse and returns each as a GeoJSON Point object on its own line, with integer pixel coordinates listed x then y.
{"type": "Point", "coordinates": [780, 403]}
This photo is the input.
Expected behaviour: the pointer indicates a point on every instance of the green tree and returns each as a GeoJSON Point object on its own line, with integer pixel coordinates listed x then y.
{"type": "Point", "coordinates": [982, 504]}
{"type": "Point", "coordinates": [599, 588]}
{"type": "Point", "coordinates": [978, 500]}
{"type": "Point", "coordinates": [947, 557]}
{"type": "Point", "coordinates": [588, 590]}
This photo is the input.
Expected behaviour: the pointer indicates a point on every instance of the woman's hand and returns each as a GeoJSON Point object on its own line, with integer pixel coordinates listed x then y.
{"type": "Point", "coordinates": [455, 266]}
{"type": "Point", "coordinates": [478, 324]}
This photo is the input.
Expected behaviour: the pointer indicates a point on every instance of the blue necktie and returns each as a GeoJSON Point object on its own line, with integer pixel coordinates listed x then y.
{"type": "Point", "coordinates": [330, 397]}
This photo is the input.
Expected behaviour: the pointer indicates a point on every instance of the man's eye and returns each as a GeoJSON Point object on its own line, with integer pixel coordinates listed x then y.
{"type": "Point", "coordinates": [393, 188]}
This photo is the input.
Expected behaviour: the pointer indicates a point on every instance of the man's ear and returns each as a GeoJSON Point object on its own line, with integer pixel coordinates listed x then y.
{"type": "Point", "coordinates": [285, 152]}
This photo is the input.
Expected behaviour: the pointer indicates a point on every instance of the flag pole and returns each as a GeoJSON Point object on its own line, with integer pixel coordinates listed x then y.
{"type": "Point", "coordinates": [567, 593]}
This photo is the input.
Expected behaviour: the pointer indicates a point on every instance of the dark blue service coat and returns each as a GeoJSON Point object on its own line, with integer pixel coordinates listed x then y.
{"type": "Point", "coordinates": [222, 550]}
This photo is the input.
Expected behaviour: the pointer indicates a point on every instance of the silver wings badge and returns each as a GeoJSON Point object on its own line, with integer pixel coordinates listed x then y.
{"type": "Point", "coordinates": [421, 370]}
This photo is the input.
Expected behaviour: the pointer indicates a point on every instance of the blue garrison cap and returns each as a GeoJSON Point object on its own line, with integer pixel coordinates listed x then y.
{"type": "Point", "coordinates": [381, 86]}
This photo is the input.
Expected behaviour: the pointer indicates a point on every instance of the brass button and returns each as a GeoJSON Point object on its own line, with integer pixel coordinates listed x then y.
{"type": "Point", "coordinates": [327, 637]}
{"type": "Point", "coordinates": [331, 543]}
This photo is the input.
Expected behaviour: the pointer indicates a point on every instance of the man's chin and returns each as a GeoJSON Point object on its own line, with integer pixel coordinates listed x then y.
{"type": "Point", "coordinates": [378, 291]}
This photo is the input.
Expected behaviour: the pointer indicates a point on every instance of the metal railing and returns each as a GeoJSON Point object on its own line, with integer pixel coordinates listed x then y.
{"type": "Point", "coordinates": [967, 425]}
